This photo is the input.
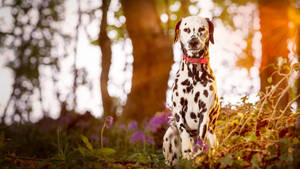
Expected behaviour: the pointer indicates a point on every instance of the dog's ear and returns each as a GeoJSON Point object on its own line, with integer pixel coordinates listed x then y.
{"type": "Point", "coordinates": [211, 30]}
{"type": "Point", "coordinates": [177, 31]}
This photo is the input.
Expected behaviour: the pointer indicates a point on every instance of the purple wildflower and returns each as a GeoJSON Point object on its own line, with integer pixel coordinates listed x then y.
{"type": "Point", "coordinates": [158, 121]}
{"type": "Point", "coordinates": [105, 139]}
{"type": "Point", "coordinates": [95, 137]}
{"type": "Point", "coordinates": [155, 123]}
{"type": "Point", "coordinates": [201, 144]}
{"type": "Point", "coordinates": [109, 121]}
{"type": "Point", "coordinates": [150, 140]}
{"type": "Point", "coordinates": [138, 136]}
{"type": "Point", "coordinates": [133, 126]}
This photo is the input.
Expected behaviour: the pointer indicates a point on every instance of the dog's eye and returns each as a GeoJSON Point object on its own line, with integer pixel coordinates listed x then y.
{"type": "Point", "coordinates": [187, 30]}
{"type": "Point", "coordinates": [201, 29]}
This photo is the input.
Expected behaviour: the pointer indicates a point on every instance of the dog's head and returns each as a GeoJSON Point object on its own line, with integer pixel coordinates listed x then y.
{"type": "Point", "coordinates": [194, 34]}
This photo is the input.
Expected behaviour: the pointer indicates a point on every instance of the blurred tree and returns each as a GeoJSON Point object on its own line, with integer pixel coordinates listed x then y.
{"type": "Point", "coordinates": [298, 53]}
{"type": "Point", "coordinates": [32, 39]}
{"type": "Point", "coordinates": [185, 7]}
{"type": "Point", "coordinates": [74, 67]}
{"type": "Point", "coordinates": [274, 28]}
{"type": "Point", "coordinates": [152, 51]}
{"type": "Point", "coordinates": [105, 45]}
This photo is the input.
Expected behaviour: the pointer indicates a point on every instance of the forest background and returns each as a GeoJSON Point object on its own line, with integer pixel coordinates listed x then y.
{"type": "Point", "coordinates": [69, 69]}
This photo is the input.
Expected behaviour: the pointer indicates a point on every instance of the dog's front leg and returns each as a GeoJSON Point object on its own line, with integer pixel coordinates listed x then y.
{"type": "Point", "coordinates": [187, 145]}
{"type": "Point", "coordinates": [202, 132]}
{"type": "Point", "coordinates": [186, 140]}
{"type": "Point", "coordinates": [171, 146]}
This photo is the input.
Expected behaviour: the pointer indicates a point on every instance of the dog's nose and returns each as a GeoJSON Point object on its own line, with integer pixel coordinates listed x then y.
{"type": "Point", "coordinates": [194, 42]}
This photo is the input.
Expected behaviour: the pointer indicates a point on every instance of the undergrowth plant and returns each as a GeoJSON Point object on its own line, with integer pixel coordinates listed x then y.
{"type": "Point", "coordinates": [257, 135]}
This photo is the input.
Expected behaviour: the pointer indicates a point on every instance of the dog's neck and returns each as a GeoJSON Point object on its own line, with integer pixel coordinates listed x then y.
{"type": "Point", "coordinates": [202, 53]}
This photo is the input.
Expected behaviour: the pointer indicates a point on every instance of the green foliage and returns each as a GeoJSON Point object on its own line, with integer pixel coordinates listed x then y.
{"type": "Point", "coordinates": [95, 42]}
{"type": "Point", "coordinates": [86, 142]}
{"type": "Point", "coordinates": [226, 161]}
{"type": "Point", "coordinates": [269, 79]}
{"type": "Point", "coordinates": [88, 150]}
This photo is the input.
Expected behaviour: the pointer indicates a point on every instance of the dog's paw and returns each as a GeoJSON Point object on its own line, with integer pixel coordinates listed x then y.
{"type": "Point", "coordinates": [187, 154]}
{"type": "Point", "coordinates": [196, 153]}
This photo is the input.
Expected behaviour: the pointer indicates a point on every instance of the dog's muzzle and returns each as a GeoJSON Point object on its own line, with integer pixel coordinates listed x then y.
{"type": "Point", "coordinates": [194, 43]}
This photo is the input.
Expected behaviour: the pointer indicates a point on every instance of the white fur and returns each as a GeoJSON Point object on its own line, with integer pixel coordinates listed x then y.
{"type": "Point", "coordinates": [193, 23]}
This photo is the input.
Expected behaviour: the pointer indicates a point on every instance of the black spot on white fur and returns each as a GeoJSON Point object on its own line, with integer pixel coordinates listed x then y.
{"type": "Point", "coordinates": [204, 131]}
{"type": "Point", "coordinates": [185, 83]}
{"type": "Point", "coordinates": [170, 148]}
{"type": "Point", "coordinates": [200, 116]}
{"type": "Point", "coordinates": [196, 97]}
{"type": "Point", "coordinates": [205, 92]}
{"type": "Point", "coordinates": [177, 117]}
{"type": "Point", "coordinates": [193, 115]}
{"type": "Point", "coordinates": [211, 87]}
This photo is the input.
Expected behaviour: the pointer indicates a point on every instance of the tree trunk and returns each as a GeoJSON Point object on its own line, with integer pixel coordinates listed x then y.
{"type": "Point", "coordinates": [298, 80]}
{"type": "Point", "coordinates": [105, 45]}
{"type": "Point", "coordinates": [152, 51]}
{"type": "Point", "coordinates": [185, 7]}
{"type": "Point", "coordinates": [75, 49]}
{"type": "Point", "coordinates": [274, 29]}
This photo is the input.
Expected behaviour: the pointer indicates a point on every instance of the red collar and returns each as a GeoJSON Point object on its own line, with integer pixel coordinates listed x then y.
{"type": "Point", "coordinates": [201, 60]}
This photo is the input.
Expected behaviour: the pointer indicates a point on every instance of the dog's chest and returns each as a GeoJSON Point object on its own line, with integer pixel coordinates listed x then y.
{"type": "Point", "coordinates": [193, 88]}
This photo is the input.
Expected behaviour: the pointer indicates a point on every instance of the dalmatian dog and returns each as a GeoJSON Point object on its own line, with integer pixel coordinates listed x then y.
{"type": "Point", "coordinates": [194, 95]}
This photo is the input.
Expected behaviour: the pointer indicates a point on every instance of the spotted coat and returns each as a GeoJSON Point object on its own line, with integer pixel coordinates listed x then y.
{"type": "Point", "coordinates": [195, 106]}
